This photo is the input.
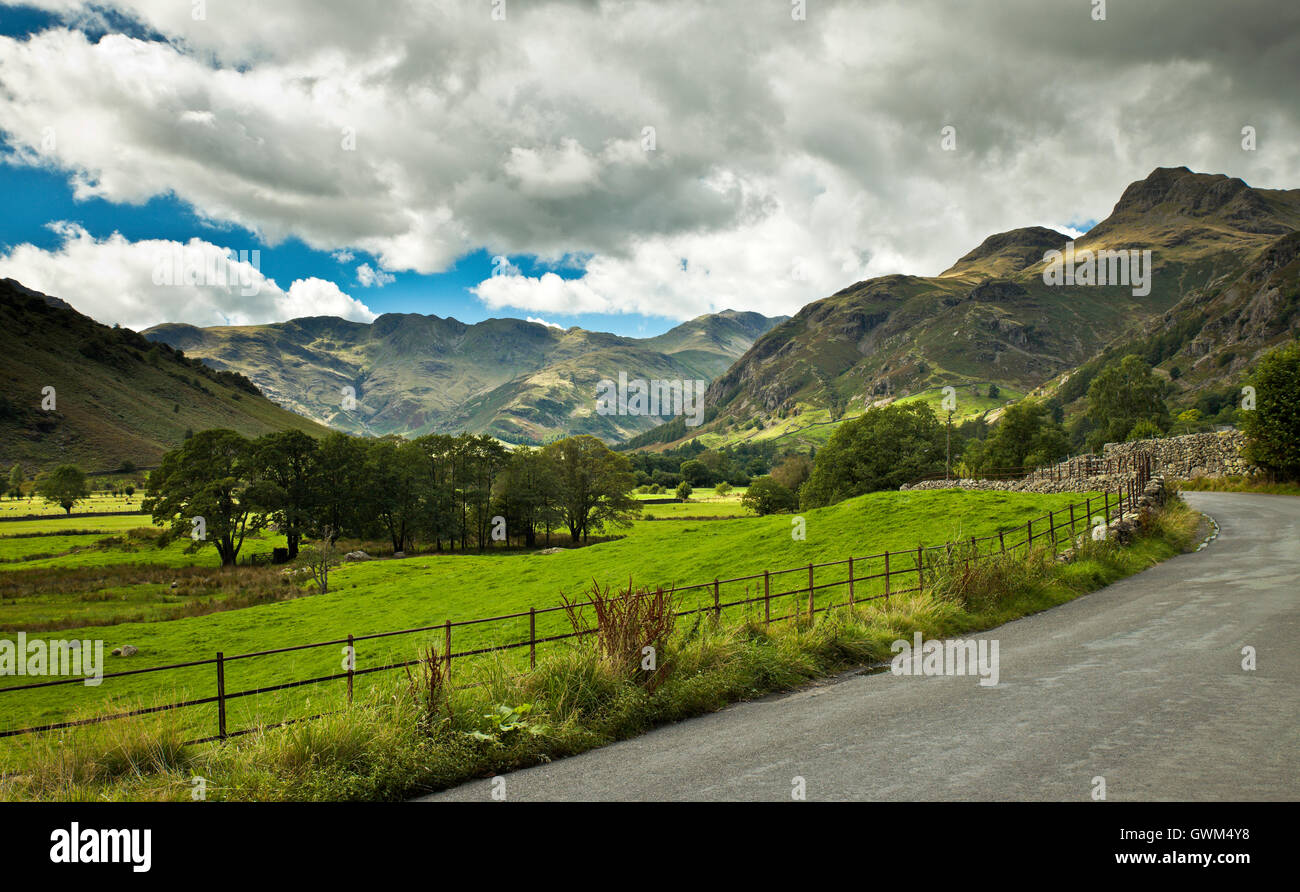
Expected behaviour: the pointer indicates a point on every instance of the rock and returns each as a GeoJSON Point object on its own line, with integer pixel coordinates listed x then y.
{"type": "Point", "coordinates": [126, 650]}
{"type": "Point", "coordinates": [555, 550]}
{"type": "Point", "coordinates": [357, 556]}
{"type": "Point", "coordinates": [399, 554]}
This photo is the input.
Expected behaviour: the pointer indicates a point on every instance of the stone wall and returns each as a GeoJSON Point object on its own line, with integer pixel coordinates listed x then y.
{"type": "Point", "coordinates": [1216, 454]}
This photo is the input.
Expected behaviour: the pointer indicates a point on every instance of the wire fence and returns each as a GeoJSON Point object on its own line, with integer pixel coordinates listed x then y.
{"type": "Point", "coordinates": [855, 580]}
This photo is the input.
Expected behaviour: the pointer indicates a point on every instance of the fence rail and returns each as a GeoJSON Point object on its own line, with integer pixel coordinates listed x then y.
{"type": "Point", "coordinates": [908, 567]}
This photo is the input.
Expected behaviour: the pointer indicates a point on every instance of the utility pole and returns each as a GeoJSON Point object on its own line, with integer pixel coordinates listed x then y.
{"type": "Point", "coordinates": [947, 451]}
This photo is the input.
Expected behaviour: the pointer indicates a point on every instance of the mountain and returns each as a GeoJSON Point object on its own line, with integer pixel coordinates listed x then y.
{"type": "Point", "coordinates": [118, 397]}
{"type": "Point", "coordinates": [412, 374]}
{"type": "Point", "coordinates": [1222, 285]}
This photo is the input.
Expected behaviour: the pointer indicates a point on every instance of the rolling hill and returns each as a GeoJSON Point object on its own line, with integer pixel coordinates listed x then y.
{"type": "Point", "coordinates": [412, 374]}
{"type": "Point", "coordinates": [1222, 289]}
{"type": "Point", "coordinates": [118, 397]}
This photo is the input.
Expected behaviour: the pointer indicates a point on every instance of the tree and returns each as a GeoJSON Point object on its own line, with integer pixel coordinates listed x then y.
{"type": "Point", "coordinates": [766, 496]}
{"type": "Point", "coordinates": [793, 471]}
{"type": "Point", "coordinates": [1146, 429]}
{"type": "Point", "coordinates": [881, 449]}
{"type": "Point", "coordinates": [528, 494]}
{"type": "Point", "coordinates": [320, 559]}
{"type": "Point", "coordinates": [695, 472]}
{"type": "Point", "coordinates": [722, 488]}
{"type": "Point", "coordinates": [210, 485]}
{"type": "Point", "coordinates": [286, 460]}
{"type": "Point", "coordinates": [1025, 437]}
{"type": "Point", "coordinates": [16, 481]}
{"type": "Point", "coordinates": [1273, 427]}
{"type": "Point", "coordinates": [338, 493]}
{"type": "Point", "coordinates": [65, 485]}
{"type": "Point", "coordinates": [1122, 394]}
{"type": "Point", "coordinates": [1189, 418]}
{"type": "Point", "coordinates": [684, 491]}
{"type": "Point", "coordinates": [593, 484]}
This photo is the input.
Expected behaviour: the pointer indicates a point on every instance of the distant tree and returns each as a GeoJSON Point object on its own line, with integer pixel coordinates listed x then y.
{"type": "Point", "coordinates": [766, 496]}
{"type": "Point", "coordinates": [1273, 427]}
{"type": "Point", "coordinates": [529, 494]}
{"type": "Point", "coordinates": [1026, 436]}
{"type": "Point", "coordinates": [695, 472]}
{"type": "Point", "coordinates": [16, 481]}
{"type": "Point", "coordinates": [340, 460]}
{"type": "Point", "coordinates": [129, 489]}
{"type": "Point", "coordinates": [994, 392]}
{"type": "Point", "coordinates": [793, 471]}
{"type": "Point", "coordinates": [212, 477]}
{"type": "Point", "coordinates": [594, 484]}
{"type": "Point", "coordinates": [1146, 429]}
{"type": "Point", "coordinates": [1189, 418]}
{"type": "Point", "coordinates": [1122, 394]}
{"type": "Point", "coordinates": [65, 486]}
{"type": "Point", "coordinates": [883, 448]}
{"type": "Point", "coordinates": [286, 460]}
{"type": "Point", "coordinates": [722, 488]}
{"type": "Point", "coordinates": [684, 491]}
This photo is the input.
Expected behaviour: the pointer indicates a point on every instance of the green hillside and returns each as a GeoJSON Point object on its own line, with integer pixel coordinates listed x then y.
{"type": "Point", "coordinates": [118, 396]}
{"type": "Point", "coordinates": [522, 382]}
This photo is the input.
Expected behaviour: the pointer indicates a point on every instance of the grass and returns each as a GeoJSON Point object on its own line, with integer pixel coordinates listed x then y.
{"type": "Point", "coordinates": [386, 595]}
{"type": "Point", "coordinates": [1239, 484]}
{"type": "Point", "coordinates": [408, 735]}
{"type": "Point", "coordinates": [96, 503]}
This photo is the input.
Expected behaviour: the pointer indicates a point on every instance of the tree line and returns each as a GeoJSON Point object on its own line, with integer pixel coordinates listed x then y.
{"type": "Point", "coordinates": [444, 492]}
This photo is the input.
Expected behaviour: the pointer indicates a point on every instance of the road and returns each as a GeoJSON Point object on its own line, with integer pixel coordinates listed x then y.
{"type": "Point", "coordinates": [1140, 683]}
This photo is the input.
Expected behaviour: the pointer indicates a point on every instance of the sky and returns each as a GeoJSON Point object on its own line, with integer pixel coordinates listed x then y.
{"type": "Point", "coordinates": [622, 166]}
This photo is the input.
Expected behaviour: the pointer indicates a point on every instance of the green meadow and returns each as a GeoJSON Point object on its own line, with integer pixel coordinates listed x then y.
{"type": "Point", "coordinates": [384, 595]}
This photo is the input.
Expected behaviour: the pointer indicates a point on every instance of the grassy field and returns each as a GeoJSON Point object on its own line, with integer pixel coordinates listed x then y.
{"type": "Point", "coordinates": [96, 503]}
{"type": "Point", "coordinates": [385, 595]}
{"type": "Point", "coordinates": [408, 735]}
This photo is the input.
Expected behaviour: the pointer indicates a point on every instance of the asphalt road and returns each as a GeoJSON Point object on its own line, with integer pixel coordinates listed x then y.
{"type": "Point", "coordinates": [1140, 683]}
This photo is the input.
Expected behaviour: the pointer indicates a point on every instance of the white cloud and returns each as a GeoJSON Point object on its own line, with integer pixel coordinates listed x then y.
{"type": "Point", "coordinates": [373, 278]}
{"type": "Point", "coordinates": [541, 321]}
{"type": "Point", "coordinates": [789, 157]}
{"type": "Point", "coordinates": [114, 280]}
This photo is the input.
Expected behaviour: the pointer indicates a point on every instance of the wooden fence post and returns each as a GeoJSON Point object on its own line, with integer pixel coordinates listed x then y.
{"type": "Point", "coordinates": [1051, 525]}
{"type": "Point", "coordinates": [850, 582]}
{"type": "Point", "coordinates": [810, 592]}
{"type": "Point", "coordinates": [717, 604]}
{"type": "Point", "coordinates": [1029, 535]}
{"type": "Point", "coordinates": [352, 665]}
{"type": "Point", "coordinates": [532, 637]}
{"type": "Point", "coordinates": [221, 695]}
{"type": "Point", "coordinates": [1002, 542]}
{"type": "Point", "coordinates": [767, 598]}
{"type": "Point", "coordinates": [1107, 505]}
{"type": "Point", "coordinates": [920, 574]}
{"type": "Point", "coordinates": [1072, 521]}
{"type": "Point", "coordinates": [446, 643]}
{"type": "Point", "coordinates": [886, 575]}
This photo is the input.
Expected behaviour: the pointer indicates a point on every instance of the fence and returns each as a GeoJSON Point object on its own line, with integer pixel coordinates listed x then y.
{"type": "Point", "coordinates": [881, 572]}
